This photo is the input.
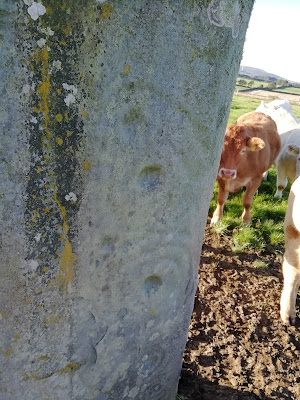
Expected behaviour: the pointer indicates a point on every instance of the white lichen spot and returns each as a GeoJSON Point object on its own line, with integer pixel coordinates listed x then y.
{"type": "Point", "coordinates": [70, 88]}
{"type": "Point", "coordinates": [71, 197]}
{"type": "Point", "coordinates": [41, 42]}
{"type": "Point", "coordinates": [101, 1]}
{"type": "Point", "coordinates": [28, 2]}
{"type": "Point", "coordinates": [133, 392]}
{"type": "Point", "coordinates": [33, 120]}
{"type": "Point", "coordinates": [69, 99]}
{"type": "Point", "coordinates": [56, 64]}
{"type": "Point", "coordinates": [36, 10]}
{"type": "Point", "coordinates": [225, 12]}
{"type": "Point", "coordinates": [26, 89]}
{"type": "Point", "coordinates": [47, 31]}
{"type": "Point", "coordinates": [38, 237]}
{"type": "Point", "coordinates": [30, 265]}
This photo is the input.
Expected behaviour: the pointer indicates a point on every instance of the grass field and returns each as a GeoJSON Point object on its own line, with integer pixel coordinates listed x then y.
{"type": "Point", "coordinates": [292, 90]}
{"type": "Point", "coordinates": [266, 229]}
{"type": "Point", "coordinates": [241, 105]}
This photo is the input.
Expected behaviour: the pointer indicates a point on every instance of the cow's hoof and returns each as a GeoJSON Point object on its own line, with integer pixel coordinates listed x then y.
{"type": "Point", "coordinates": [278, 195]}
{"type": "Point", "coordinates": [214, 220]}
{"type": "Point", "coordinates": [287, 319]}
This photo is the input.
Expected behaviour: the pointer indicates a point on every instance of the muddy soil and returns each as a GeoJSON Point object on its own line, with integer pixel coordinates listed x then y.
{"type": "Point", "coordinates": [237, 347]}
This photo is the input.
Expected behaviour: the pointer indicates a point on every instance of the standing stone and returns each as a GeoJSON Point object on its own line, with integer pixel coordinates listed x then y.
{"type": "Point", "coordinates": [112, 117]}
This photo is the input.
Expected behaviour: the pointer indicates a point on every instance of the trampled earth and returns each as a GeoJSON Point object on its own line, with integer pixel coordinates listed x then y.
{"type": "Point", "coordinates": [238, 348]}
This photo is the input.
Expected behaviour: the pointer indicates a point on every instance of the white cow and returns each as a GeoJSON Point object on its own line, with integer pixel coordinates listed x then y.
{"type": "Point", "coordinates": [288, 126]}
{"type": "Point", "coordinates": [291, 260]}
{"type": "Point", "coordinates": [282, 113]}
{"type": "Point", "coordinates": [288, 160]}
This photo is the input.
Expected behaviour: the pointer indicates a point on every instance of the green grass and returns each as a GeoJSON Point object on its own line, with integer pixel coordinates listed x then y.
{"type": "Point", "coordinates": [266, 228]}
{"type": "Point", "coordinates": [296, 110]}
{"type": "Point", "coordinates": [292, 90]}
{"type": "Point", "coordinates": [241, 105]}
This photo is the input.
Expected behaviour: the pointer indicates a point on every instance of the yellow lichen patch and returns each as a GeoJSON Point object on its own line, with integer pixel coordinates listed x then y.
{"type": "Point", "coordinates": [106, 10]}
{"type": "Point", "coordinates": [126, 70]}
{"type": "Point", "coordinates": [28, 300]}
{"type": "Point", "coordinates": [3, 315]}
{"type": "Point", "coordinates": [39, 170]}
{"type": "Point", "coordinates": [71, 367]}
{"type": "Point", "coordinates": [68, 259]}
{"type": "Point", "coordinates": [86, 165]}
{"type": "Point", "coordinates": [53, 319]}
{"type": "Point", "coordinates": [58, 91]}
{"type": "Point", "coordinates": [67, 29]}
{"type": "Point", "coordinates": [69, 133]}
{"type": "Point", "coordinates": [45, 269]}
{"type": "Point", "coordinates": [59, 141]}
{"type": "Point", "coordinates": [43, 358]}
{"type": "Point", "coordinates": [40, 307]}
{"type": "Point", "coordinates": [44, 88]}
{"type": "Point", "coordinates": [8, 352]}
{"type": "Point", "coordinates": [48, 135]}
{"type": "Point", "coordinates": [66, 271]}
{"type": "Point", "coordinates": [61, 208]}
{"type": "Point", "coordinates": [84, 113]}
{"type": "Point", "coordinates": [67, 117]}
{"type": "Point", "coordinates": [51, 283]}
{"type": "Point", "coordinates": [58, 117]}
{"type": "Point", "coordinates": [16, 337]}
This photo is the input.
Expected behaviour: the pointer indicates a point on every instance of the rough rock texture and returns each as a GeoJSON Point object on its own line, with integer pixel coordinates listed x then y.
{"type": "Point", "coordinates": [112, 120]}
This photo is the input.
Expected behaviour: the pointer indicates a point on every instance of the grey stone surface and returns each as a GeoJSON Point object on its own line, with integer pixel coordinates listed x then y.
{"type": "Point", "coordinates": [112, 117]}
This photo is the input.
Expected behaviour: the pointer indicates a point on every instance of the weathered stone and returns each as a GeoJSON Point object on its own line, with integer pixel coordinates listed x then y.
{"type": "Point", "coordinates": [112, 117]}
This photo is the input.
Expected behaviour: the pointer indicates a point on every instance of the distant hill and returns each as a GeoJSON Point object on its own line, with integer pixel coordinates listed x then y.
{"type": "Point", "coordinates": [256, 73]}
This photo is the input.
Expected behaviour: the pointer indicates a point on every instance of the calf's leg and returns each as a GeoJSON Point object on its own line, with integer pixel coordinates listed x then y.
{"type": "Point", "coordinates": [281, 178]}
{"type": "Point", "coordinates": [291, 282]}
{"type": "Point", "coordinates": [222, 197]}
{"type": "Point", "coordinates": [251, 188]}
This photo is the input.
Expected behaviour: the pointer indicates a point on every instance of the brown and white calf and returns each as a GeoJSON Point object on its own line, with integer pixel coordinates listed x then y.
{"type": "Point", "coordinates": [250, 148]}
{"type": "Point", "coordinates": [291, 259]}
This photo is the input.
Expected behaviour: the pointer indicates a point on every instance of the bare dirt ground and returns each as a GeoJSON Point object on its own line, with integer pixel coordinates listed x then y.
{"type": "Point", "coordinates": [238, 348]}
{"type": "Point", "coordinates": [271, 95]}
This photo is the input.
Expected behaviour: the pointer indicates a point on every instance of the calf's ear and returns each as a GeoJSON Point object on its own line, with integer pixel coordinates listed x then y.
{"type": "Point", "coordinates": [293, 149]}
{"type": "Point", "coordinates": [255, 144]}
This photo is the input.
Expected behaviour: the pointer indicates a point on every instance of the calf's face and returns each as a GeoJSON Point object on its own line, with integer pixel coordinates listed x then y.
{"type": "Point", "coordinates": [236, 145]}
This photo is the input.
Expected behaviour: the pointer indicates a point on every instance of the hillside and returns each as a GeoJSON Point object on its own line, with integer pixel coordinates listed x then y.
{"type": "Point", "coordinates": [256, 73]}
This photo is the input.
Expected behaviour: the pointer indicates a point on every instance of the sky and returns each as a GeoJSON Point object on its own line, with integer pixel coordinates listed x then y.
{"type": "Point", "coordinates": [273, 38]}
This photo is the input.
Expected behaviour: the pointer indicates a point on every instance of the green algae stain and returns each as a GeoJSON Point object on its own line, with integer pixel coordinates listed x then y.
{"type": "Point", "coordinates": [134, 115]}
